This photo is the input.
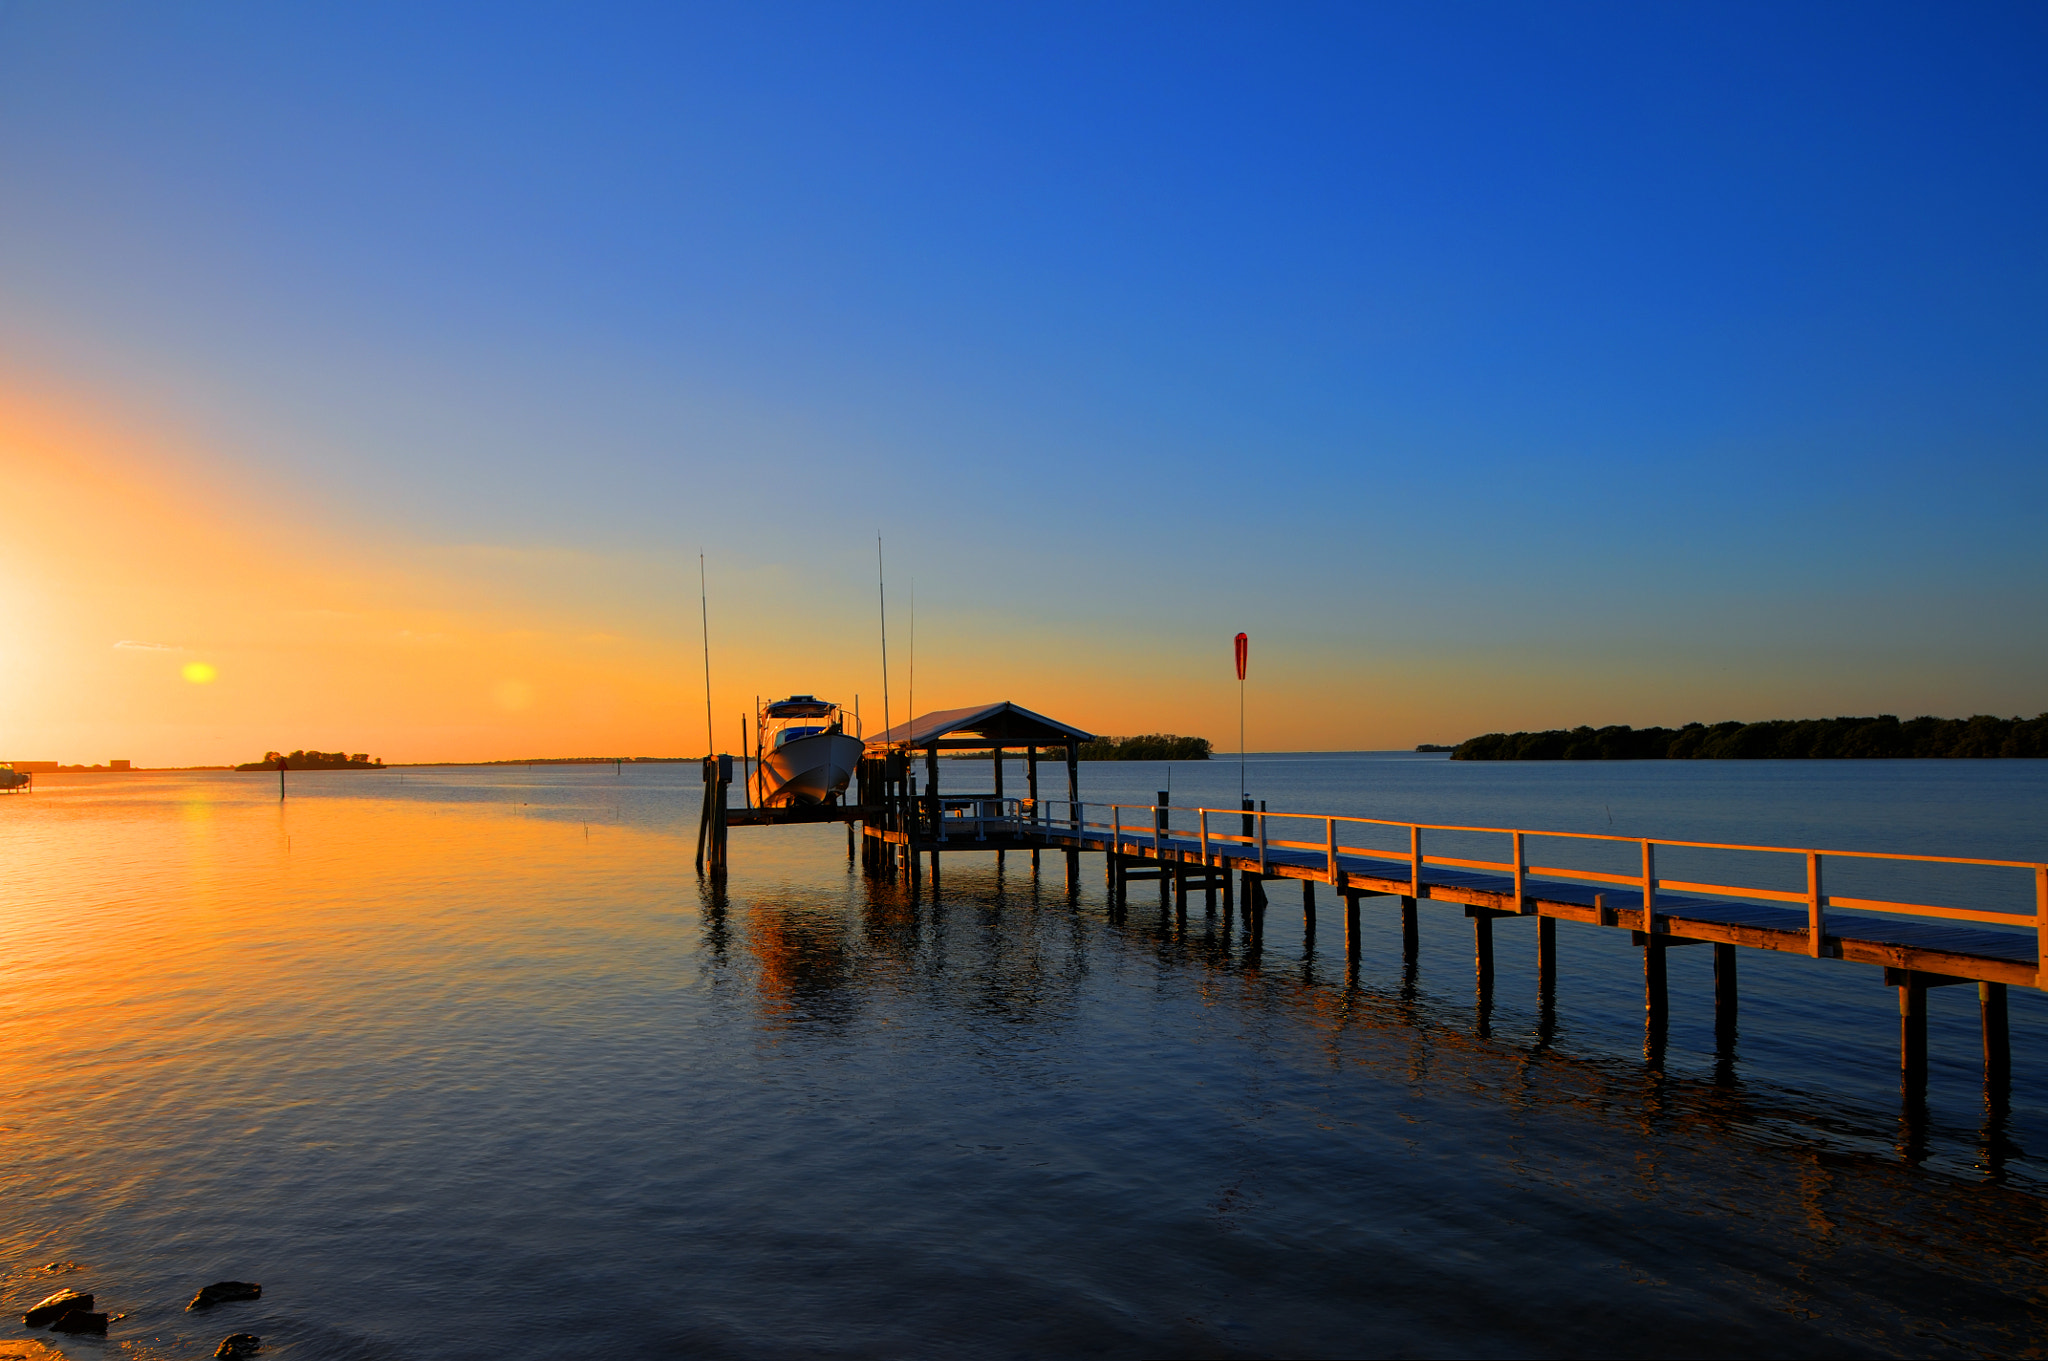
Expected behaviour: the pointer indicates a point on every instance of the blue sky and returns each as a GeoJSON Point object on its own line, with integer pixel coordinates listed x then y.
{"type": "Point", "coordinates": [1625, 363]}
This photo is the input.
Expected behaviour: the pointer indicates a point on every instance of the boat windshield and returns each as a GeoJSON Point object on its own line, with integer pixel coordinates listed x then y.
{"type": "Point", "coordinates": [788, 735]}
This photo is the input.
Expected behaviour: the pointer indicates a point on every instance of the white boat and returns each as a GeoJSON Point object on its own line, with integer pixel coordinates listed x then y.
{"type": "Point", "coordinates": [806, 756]}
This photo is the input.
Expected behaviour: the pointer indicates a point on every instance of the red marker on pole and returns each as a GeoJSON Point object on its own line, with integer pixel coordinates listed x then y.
{"type": "Point", "coordinates": [1243, 651]}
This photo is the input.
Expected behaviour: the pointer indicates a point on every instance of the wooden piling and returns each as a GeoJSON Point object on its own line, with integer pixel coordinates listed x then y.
{"type": "Point", "coordinates": [1031, 793]}
{"type": "Point", "coordinates": [1546, 957]}
{"type": "Point", "coordinates": [1997, 1044]}
{"type": "Point", "coordinates": [1351, 946]}
{"type": "Point", "coordinates": [1913, 1038]}
{"type": "Point", "coordinates": [1410, 934]}
{"type": "Point", "coordinates": [1482, 950]}
{"type": "Point", "coordinates": [1308, 909]}
{"type": "Point", "coordinates": [1654, 998]}
{"type": "Point", "coordinates": [1725, 997]}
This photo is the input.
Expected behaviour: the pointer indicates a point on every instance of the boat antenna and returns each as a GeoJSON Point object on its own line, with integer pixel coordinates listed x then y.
{"type": "Point", "coordinates": [882, 593]}
{"type": "Point", "coordinates": [704, 603]}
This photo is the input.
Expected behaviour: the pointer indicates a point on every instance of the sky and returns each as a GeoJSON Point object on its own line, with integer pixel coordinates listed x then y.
{"type": "Point", "coordinates": [389, 367]}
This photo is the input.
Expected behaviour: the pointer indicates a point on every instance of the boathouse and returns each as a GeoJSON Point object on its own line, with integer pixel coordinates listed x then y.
{"type": "Point", "coordinates": [928, 814]}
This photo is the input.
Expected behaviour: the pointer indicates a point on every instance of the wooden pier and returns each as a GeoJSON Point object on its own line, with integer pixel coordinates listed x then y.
{"type": "Point", "coordinates": [1758, 897]}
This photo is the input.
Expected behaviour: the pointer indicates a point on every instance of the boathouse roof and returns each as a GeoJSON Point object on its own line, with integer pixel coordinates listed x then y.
{"type": "Point", "coordinates": [982, 725]}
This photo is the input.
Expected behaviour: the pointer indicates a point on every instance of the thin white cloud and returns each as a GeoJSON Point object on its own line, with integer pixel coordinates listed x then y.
{"type": "Point", "coordinates": [130, 643]}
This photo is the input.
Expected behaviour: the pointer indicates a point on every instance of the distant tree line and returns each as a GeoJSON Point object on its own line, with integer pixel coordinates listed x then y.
{"type": "Point", "coordinates": [1778, 739]}
{"type": "Point", "coordinates": [314, 760]}
{"type": "Point", "coordinates": [1151, 747]}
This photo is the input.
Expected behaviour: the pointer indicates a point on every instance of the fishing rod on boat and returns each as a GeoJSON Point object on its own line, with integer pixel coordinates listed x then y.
{"type": "Point", "coordinates": [882, 593]}
{"type": "Point", "coordinates": [704, 602]}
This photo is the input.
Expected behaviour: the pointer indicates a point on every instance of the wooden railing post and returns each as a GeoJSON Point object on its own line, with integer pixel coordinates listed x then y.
{"type": "Point", "coordinates": [1330, 842]}
{"type": "Point", "coordinates": [1814, 913]}
{"type": "Point", "coordinates": [1205, 840]}
{"type": "Point", "coordinates": [1649, 887]}
{"type": "Point", "coordinates": [1262, 838]}
{"type": "Point", "coordinates": [1521, 869]}
{"type": "Point", "coordinates": [1414, 861]}
{"type": "Point", "coordinates": [2041, 926]}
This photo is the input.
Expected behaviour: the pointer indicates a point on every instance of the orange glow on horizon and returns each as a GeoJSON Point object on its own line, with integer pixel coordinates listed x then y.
{"type": "Point", "coordinates": [152, 608]}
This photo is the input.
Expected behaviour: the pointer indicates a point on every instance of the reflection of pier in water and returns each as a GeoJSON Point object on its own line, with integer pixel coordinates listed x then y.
{"type": "Point", "coordinates": [994, 956]}
{"type": "Point", "coordinates": [1869, 908]}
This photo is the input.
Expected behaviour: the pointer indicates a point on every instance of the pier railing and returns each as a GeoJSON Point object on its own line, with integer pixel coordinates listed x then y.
{"type": "Point", "coordinates": [1220, 834]}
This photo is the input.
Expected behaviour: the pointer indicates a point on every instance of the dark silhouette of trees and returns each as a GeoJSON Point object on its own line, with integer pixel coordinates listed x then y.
{"type": "Point", "coordinates": [1151, 747]}
{"type": "Point", "coordinates": [1780, 739]}
{"type": "Point", "coordinates": [314, 760]}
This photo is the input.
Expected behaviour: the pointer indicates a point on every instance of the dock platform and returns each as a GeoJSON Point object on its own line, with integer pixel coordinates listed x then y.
{"type": "Point", "coordinates": [1730, 896]}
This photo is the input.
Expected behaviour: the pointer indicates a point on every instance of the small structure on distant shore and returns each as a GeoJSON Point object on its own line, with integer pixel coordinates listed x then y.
{"type": "Point", "coordinates": [313, 760]}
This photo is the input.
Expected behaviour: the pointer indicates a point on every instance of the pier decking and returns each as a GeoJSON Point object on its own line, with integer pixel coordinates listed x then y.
{"type": "Point", "coordinates": [1730, 896]}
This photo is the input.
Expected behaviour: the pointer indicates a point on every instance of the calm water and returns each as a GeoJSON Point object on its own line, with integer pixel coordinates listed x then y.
{"type": "Point", "coordinates": [467, 1063]}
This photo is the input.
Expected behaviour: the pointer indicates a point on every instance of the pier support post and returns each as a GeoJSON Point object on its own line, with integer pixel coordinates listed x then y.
{"type": "Point", "coordinates": [1410, 935]}
{"type": "Point", "coordinates": [1482, 951]}
{"type": "Point", "coordinates": [1308, 909]}
{"type": "Point", "coordinates": [1546, 958]}
{"type": "Point", "coordinates": [1655, 1012]}
{"type": "Point", "coordinates": [1997, 1045]}
{"type": "Point", "coordinates": [1351, 926]}
{"type": "Point", "coordinates": [1725, 996]}
{"type": "Point", "coordinates": [1913, 1039]}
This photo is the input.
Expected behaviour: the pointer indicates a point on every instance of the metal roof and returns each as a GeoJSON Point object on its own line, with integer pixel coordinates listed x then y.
{"type": "Point", "coordinates": [1003, 724]}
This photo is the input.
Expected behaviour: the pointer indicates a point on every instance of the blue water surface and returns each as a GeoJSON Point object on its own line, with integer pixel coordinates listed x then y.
{"type": "Point", "coordinates": [471, 1063]}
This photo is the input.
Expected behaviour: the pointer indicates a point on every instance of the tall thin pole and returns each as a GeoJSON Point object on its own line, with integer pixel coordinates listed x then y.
{"type": "Point", "coordinates": [882, 592]}
{"type": "Point", "coordinates": [704, 601]}
{"type": "Point", "coordinates": [746, 784]}
{"type": "Point", "coordinates": [1240, 739]}
{"type": "Point", "coordinates": [911, 703]}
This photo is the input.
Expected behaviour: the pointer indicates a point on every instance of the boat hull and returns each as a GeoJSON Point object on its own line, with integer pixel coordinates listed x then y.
{"type": "Point", "coordinates": [809, 771]}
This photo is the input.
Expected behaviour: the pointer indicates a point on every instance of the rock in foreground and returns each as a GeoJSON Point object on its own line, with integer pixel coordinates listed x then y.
{"type": "Point", "coordinates": [80, 1321]}
{"type": "Point", "coordinates": [238, 1344]}
{"type": "Point", "coordinates": [53, 1307]}
{"type": "Point", "coordinates": [221, 1292]}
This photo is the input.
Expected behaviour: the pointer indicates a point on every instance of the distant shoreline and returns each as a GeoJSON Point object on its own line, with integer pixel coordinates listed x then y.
{"type": "Point", "coordinates": [1882, 737]}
